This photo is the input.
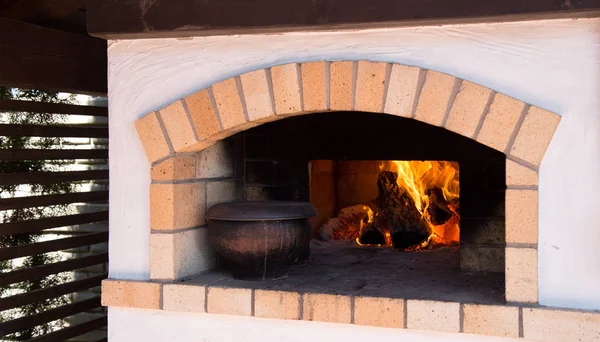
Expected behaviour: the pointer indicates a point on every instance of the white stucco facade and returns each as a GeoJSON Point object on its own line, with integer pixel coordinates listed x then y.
{"type": "Point", "coordinates": [550, 64]}
{"type": "Point", "coordinates": [148, 325]}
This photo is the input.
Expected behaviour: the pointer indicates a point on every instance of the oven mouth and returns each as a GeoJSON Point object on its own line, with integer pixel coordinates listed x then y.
{"type": "Point", "coordinates": [408, 210]}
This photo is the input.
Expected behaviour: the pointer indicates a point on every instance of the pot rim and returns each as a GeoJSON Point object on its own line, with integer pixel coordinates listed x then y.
{"type": "Point", "coordinates": [261, 211]}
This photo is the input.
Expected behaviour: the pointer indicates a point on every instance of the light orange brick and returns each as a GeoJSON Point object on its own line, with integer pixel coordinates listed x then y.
{"type": "Point", "coordinates": [522, 216]}
{"type": "Point", "coordinates": [401, 95]}
{"type": "Point", "coordinates": [370, 85]}
{"type": "Point", "coordinates": [176, 167]}
{"type": "Point", "coordinates": [229, 301]}
{"type": "Point", "coordinates": [500, 122]}
{"type": "Point", "coordinates": [231, 131]}
{"type": "Point", "coordinates": [535, 135]}
{"type": "Point", "coordinates": [467, 110]}
{"type": "Point", "coordinates": [326, 308]}
{"type": "Point", "coordinates": [492, 320]}
{"type": "Point", "coordinates": [379, 312]}
{"type": "Point", "coordinates": [184, 298]}
{"type": "Point", "coordinates": [277, 304]}
{"type": "Point", "coordinates": [180, 254]}
{"type": "Point", "coordinates": [286, 89]}
{"type": "Point", "coordinates": [130, 294]}
{"type": "Point", "coordinates": [542, 324]}
{"type": "Point", "coordinates": [152, 137]}
{"type": "Point", "coordinates": [177, 206]}
{"type": "Point", "coordinates": [340, 85]}
{"type": "Point", "coordinates": [229, 103]}
{"type": "Point", "coordinates": [435, 97]}
{"type": "Point", "coordinates": [313, 86]}
{"type": "Point", "coordinates": [521, 277]}
{"type": "Point", "coordinates": [162, 256]}
{"type": "Point", "coordinates": [520, 175]}
{"type": "Point", "coordinates": [257, 95]}
{"type": "Point", "coordinates": [433, 315]}
{"type": "Point", "coordinates": [178, 126]}
{"type": "Point", "coordinates": [203, 114]}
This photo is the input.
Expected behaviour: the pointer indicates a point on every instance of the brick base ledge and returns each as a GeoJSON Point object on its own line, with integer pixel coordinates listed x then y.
{"type": "Point", "coordinates": [531, 322]}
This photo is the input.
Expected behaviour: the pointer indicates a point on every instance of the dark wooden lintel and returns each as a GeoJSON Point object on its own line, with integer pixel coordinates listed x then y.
{"type": "Point", "coordinates": [39, 11]}
{"type": "Point", "coordinates": [41, 58]}
{"type": "Point", "coordinates": [175, 18]}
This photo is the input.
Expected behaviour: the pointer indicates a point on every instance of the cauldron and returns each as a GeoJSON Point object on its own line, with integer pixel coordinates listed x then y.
{"type": "Point", "coordinates": [260, 240]}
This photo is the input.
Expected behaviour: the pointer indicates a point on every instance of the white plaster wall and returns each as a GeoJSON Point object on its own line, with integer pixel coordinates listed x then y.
{"type": "Point", "coordinates": [150, 325]}
{"type": "Point", "coordinates": [551, 64]}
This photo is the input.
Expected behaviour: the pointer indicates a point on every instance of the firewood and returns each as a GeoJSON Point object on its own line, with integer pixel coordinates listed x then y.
{"type": "Point", "coordinates": [438, 210]}
{"type": "Point", "coordinates": [372, 236]}
{"type": "Point", "coordinates": [326, 231]}
{"type": "Point", "coordinates": [346, 225]}
{"type": "Point", "coordinates": [398, 213]}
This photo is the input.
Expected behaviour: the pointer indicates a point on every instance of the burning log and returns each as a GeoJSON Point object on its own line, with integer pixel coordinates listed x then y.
{"type": "Point", "coordinates": [398, 213]}
{"type": "Point", "coordinates": [396, 216]}
{"type": "Point", "coordinates": [346, 226]}
{"type": "Point", "coordinates": [438, 210]}
{"type": "Point", "coordinates": [416, 208]}
{"type": "Point", "coordinates": [372, 236]}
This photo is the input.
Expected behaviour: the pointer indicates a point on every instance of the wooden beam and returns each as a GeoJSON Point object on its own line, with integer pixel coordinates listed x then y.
{"type": "Point", "coordinates": [10, 130]}
{"type": "Point", "coordinates": [64, 15]}
{"type": "Point", "coordinates": [40, 11]}
{"type": "Point", "coordinates": [41, 58]}
{"type": "Point", "coordinates": [20, 251]}
{"type": "Point", "coordinates": [50, 292]}
{"type": "Point", "coordinates": [32, 226]}
{"type": "Point", "coordinates": [56, 108]}
{"type": "Point", "coordinates": [43, 177]}
{"type": "Point", "coordinates": [74, 330]}
{"type": "Point", "coordinates": [30, 321]}
{"type": "Point", "coordinates": [38, 272]}
{"type": "Point", "coordinates": [173, 18]}
{"type": "Point", "coordinates": [51, 154]}
{"type": "Point", "coordinates": [44, 200]}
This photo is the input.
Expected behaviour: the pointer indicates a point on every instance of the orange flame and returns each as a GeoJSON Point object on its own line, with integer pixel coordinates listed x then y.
{"type": "Point", "coordinates": [370, 218]}
{"type": "Point", "coordinates": [417, 178]}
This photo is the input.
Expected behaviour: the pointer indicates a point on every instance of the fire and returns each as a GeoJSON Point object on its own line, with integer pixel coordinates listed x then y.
{"type": "Point", "coordinates": [420, 179]}
{"type": "Point", "coordinates": [417, 208]}
{"type": "Point", "coordinates": [388, 238]}
{"type": "Point", "coordinates": [417, 178]}
{"type": "Point", "coordinates": [370, 219]}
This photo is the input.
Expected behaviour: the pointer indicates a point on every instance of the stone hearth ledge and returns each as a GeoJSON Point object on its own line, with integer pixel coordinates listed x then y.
{"type": "Point", "coordinates": [532, 322]}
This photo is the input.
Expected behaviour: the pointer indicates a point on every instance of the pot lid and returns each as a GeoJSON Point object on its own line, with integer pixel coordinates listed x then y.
{"type": "Point", "coordinates": [261, 211]}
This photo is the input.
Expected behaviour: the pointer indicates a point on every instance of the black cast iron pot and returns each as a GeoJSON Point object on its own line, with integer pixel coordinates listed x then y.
{"type": "Point", "coordinates": [260, 240]}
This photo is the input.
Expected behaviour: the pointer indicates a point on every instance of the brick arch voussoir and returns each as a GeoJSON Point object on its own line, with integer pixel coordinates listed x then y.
{"type": "Point", "coordinates": [519, 130]}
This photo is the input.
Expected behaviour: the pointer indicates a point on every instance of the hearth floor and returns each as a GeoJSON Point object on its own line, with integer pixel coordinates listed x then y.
{"type": "Point", "coordinates": [341, 267]}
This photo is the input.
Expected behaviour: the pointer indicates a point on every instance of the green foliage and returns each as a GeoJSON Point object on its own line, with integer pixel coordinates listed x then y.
{"type": "Point", "coordinates": [28, 118]}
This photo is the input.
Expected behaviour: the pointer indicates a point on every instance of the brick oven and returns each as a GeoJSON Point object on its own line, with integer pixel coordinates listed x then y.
{"type": "Point", "coordinates": [318, 121]}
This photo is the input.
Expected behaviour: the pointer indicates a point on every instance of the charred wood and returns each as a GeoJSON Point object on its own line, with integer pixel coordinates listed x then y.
{"type": "Point", "coordinates": [372, 236]}
{"type": "Point", "coordinates": [438, 210]}
{"type": "Point", "coordinates": [397, 211]}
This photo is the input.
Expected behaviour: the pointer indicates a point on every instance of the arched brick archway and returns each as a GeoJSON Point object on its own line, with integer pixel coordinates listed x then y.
{"type": "Point", "coordinates": [191, 124]}
{"type": "Point", "coordinates": [508, 125]}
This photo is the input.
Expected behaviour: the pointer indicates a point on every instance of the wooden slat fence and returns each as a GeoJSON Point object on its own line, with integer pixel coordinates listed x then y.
{"type": "Point", "coordinates": [76, 235]}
